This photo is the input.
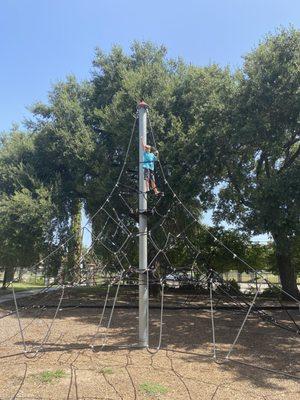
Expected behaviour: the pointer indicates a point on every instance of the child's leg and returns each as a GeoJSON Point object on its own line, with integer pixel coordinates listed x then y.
{"type": "Point", "coordinates": [147, 178]}
{"type": "Point", "coordinates": [154, 187]}
{"type": "Point", "coordinates": [153, 183]}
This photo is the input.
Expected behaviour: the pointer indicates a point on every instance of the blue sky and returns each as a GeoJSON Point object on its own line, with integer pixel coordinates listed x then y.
{"type": "Point", "coordinates": [42, 41]}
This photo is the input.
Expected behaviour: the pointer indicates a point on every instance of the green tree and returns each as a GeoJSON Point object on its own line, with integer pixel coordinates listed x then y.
{"type": "Point", "coordinates": [227, 140]}
{"type": "Point", "coordinates": [24, 203]}
{"type": "Point", "coordinates": [119, 82]}
{"type": "Point", "coordinates": [27, 229]}
{"type": "Point", "coordinates": [261, 148]}
{"type": "Point", "coordinates": [63, 148]}
{"type": "Point", "coordinates": [188, 105]}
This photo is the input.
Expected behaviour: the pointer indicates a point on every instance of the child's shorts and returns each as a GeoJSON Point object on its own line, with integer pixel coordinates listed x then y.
{"type": "Point", "coordinates": [149, 175]}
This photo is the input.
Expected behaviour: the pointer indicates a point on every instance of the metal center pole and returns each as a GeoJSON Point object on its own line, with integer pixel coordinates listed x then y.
{"type": "Point", "coordinates": [143, 262]}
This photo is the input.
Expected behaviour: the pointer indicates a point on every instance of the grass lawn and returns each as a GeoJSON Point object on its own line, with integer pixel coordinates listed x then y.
{"type": "Point", "coordinates": [20, 287]}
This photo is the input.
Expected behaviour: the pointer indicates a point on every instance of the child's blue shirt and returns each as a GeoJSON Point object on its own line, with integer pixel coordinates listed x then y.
{"type": "Point", "coordinates": [148, 160]}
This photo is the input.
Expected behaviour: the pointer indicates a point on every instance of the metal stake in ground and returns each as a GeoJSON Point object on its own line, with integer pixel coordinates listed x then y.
{"type": "Point", "coordinates": [143, 262]}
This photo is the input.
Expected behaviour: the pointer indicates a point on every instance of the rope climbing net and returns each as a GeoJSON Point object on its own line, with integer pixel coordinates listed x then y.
{"type": "Point", "coordinates": [114, 256]}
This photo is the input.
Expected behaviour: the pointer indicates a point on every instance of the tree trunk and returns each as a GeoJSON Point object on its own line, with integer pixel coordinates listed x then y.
{"type": "Point", "coordinates": [72, 273]}
{"type": "Point", "coordinates": [8, 276]}
{"type": "Point", "coordinates": [20, 275]}
{"type": "Point", "coordinates": [286, 269]}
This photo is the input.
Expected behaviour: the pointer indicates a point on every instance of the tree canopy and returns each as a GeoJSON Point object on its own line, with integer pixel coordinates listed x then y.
{"type": "Point", "coordinates": [228, 140]}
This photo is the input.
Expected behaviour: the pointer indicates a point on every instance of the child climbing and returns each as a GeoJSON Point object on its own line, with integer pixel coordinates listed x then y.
{"type": "Point", "coordinates": [150, 156]}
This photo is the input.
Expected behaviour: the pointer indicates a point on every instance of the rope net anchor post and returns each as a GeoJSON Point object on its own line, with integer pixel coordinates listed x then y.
{"type": "Point", "coordinates": [143, 261]}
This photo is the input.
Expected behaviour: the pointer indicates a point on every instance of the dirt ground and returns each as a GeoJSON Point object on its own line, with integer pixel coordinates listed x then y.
{"type": "Point", "coordinates": [182, 369]}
